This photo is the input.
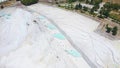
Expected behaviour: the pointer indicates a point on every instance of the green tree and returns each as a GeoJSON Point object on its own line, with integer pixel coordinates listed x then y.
{"type": "Point", "coordinates": [80, 0]}
{"type": "Point", "coordinates": [79, 6]}
{"type": "Point", "coordinates": [70, 1]}
{"type": "Point", "coordinates": [76, 7]}
{"type": "Point", "coordinates": [28, 2]}
{"type": "Point", "coordinates": [96, 7]}
{"type": "Point", "coordinates": [114, 30]}
{"type": "Point", "coordinates": [87, 1]}
{"type": "Point", "coordinates": [95, 2]}
{"type": "Point", "coordinates": [107, 5]}
{"type": "Point", "coordinates": [104, 12]}
{"type": "Point", "coordinates": [108, 29]}
{"type": "Point", "coordinates": [92, 11]}
{"type": "Point", "coordinates": [85, 8]}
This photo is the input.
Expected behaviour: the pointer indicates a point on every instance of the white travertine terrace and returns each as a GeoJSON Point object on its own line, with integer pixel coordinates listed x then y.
{"type": "Point", "coordinates": [30, 40]}
{"type": "Point", "coordinates": [42, 36]}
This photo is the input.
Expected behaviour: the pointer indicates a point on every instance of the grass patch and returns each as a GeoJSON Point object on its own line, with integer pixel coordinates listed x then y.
{"type": "Point", "coordinates": [115, 17]}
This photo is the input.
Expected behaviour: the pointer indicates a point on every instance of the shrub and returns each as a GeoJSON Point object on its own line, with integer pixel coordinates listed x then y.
{"type": "Point", "coordinates": [108, 29]}
{"type": "Point", "coordinates": [85, 8]}
{"type": "Point", "coordinates": [2, 6]}
{"type": "Point", "coordinates": [71, 1]}
{"type": "Point", "coordinates": [93, 2]}
{"type": "Point", "coordinates": [114, 30]}
{"type": "Point", "coordinates": [78, 6]}
{"type": "Point", "coordinates": [101, 16]}
{"type": "Point", "coordinates": [96, 7]}
{"type": "Point", "coordinates": [107, 5]}
{"type": "Point", "coordinates": [80, 0]}
{"type": "Point", "coordinates": [28, 2]}
{"type": "Point", "coordinates": [105, 12]}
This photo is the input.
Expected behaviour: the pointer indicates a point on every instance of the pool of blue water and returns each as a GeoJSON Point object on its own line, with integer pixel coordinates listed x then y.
{"type": "Point", "coordinates": [2, 14]}
{"type": "Point", "coordinates": [41, 17]}
{"type": "Point", "coordinates": [59, 36]}
{"type": "Point", "coordinates": [73, 53]}
{"type": "Point", "coordinates": [5, 15]}
{"type": "Point", "coordinates": [50, 26]}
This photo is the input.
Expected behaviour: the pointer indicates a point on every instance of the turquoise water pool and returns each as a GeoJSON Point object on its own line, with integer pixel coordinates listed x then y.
{"type": "Point", "coordinates": [73, 53]}
{"type": "Point", "coordinates": [7, 16]}
{"type": "Point", "coordinates": [2, 14]}
{"type": "Point", "coordinates": [41, 17]}
{"type": "Point", "coordinates": [50, 26]}
{"type": "Point", "coordinates": [59, 36]}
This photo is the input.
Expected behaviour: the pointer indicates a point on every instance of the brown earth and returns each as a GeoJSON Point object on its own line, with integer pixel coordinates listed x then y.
{"type": "Point", "coordinates": [113, 1]}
